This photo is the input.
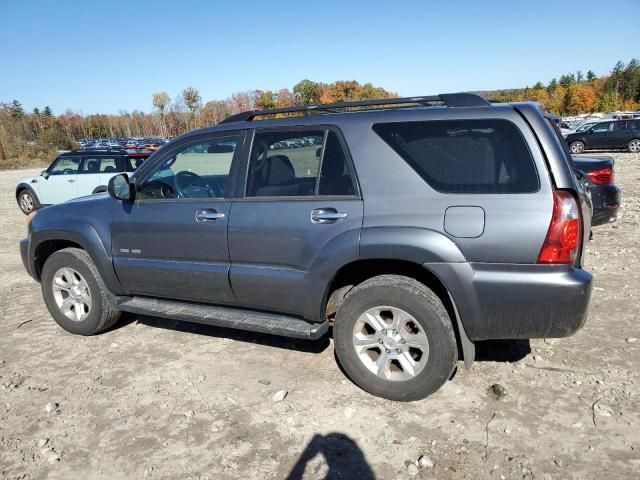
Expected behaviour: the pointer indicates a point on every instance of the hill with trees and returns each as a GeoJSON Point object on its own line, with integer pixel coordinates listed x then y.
{"type": "Point", "coordinates": [39, 133]}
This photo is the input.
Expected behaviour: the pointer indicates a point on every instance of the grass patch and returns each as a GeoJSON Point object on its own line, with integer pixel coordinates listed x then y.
{"type": "Point", "coordinates": [23, 163]}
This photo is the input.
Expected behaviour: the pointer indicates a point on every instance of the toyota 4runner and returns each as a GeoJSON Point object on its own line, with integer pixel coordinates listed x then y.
{"type": "Point", "coordinates": [414, 227]}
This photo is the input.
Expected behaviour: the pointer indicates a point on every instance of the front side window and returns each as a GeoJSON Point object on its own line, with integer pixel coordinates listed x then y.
{"type": "Point", "coordinates": [601, 127]}
{"type": "Point", "coordinates": [197, 169]}
{"type": "Point", "coordinates": [284, 163]}
{"type": "Point", "coordinates": [65, 166]}
{"type": "Point", "coordinates": [465, 156]}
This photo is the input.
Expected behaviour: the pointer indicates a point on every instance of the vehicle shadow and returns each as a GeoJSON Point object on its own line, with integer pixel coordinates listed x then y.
{"type": "Point", "coordinates": [343, 458]}
{"type": "Point", "coordinates": [502, 350]}
{"type": "Point", "coordinates": [308, 346]}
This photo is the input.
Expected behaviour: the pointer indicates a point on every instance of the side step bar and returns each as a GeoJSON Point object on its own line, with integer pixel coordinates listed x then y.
{"type": "Point", "coordinates": [263, 322]}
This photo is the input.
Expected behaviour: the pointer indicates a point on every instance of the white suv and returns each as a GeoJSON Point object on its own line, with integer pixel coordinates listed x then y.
{"type": "Point", "coordinates": [75, 174]}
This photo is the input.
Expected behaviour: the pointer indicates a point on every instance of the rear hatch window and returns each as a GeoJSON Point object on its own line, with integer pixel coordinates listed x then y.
{"type": "Point", "coordinates": [465, 156]}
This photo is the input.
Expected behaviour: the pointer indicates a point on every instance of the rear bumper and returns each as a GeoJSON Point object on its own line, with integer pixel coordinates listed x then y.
{"type": "Point", "coordinates": [504, 301]}
{"type": "Point", "coordinates": [606, 200]}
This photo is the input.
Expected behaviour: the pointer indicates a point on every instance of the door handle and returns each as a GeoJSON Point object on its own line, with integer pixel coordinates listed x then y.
{"type": "Point", "coordinates": [71, 180]}
{"type": "Point", "coordinates": [208, 215]}
{"type": "Point", "coordinates": [326, 215]}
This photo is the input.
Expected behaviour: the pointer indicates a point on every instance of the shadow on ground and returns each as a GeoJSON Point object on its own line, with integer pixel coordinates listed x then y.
{"type": "Point", "coordinates": [502, 350]}
{"type": "Point", "coordinates": [343, 459]}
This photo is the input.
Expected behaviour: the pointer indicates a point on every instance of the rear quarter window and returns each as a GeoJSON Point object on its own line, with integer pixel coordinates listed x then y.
{"type": "Point", "coordinates": [465, 156]}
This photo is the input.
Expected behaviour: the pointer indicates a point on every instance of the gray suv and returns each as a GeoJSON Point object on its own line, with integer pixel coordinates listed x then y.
{"type": "Point", "coordinates": [413, 227]}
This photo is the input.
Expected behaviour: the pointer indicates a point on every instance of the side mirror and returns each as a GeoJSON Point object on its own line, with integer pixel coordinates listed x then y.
{"type": "Point", "coordinates": [120, 188]}
{"type": "Point", "coordinates": [44, 174]}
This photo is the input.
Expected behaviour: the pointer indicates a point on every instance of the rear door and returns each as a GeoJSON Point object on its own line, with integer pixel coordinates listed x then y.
{"type": "Point", "coordinates": [620, 134]}
{"type": "Point", "coordinates": [300, 207]}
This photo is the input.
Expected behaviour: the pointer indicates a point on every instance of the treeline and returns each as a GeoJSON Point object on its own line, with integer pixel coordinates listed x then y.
{"type": "Point", "coordinates": [37, 133]}
{"type": "Point", "coordinates": [576, 93]}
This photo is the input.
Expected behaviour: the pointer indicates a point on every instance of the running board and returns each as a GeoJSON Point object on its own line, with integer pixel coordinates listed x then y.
{"type": "Point", "coordinates": [263, 322]}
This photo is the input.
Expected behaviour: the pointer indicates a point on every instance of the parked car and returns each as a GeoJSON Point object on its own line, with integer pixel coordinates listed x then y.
{"type": "Point", "coordinates": [605, 195]}
{"type": "Point", "coordinates": [415, 232]}
{"type": "Point", "coordinates": [607, 135]}
{"type": "Point", "coordinates": [75, 174]}
{"type": "Point", "coordinates": [580, 128]}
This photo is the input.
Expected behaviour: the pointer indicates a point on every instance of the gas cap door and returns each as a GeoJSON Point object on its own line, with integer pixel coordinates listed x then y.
{"type": "Point", "coordinates": [464, 221]}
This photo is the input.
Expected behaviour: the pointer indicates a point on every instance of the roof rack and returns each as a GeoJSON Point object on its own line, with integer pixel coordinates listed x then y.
{"type": "Point", "coordinates": [447, 99]}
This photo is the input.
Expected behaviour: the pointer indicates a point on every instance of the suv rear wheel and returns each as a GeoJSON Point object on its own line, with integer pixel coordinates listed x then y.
{"type": "Point", "coordinates": [75, 294]}
{"type": "Point", "coordinates": [634, 145]}
{"type": "Point", "coordinates": [27, 201]}
{"type": "Point", "coordinates": [394, 338]}
{"type": "Point", "coordinates": [576, 147]}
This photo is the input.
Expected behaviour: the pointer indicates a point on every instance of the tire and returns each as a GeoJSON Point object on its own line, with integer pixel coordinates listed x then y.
{"type": "Point", "coordinates": [576, 147]}
{"type": "Point", "coordinates": [418, 311]}
{"type": "Point", "coordinates": [27, 201]}
{"type": "Point", "coordinates": [84, 309]}
{"type": "Point", "coordinates": [634, 145]}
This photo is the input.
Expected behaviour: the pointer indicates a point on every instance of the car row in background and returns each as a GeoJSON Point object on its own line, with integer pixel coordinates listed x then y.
{"type": "Point", "coordinates": [75, 174]}
{"type": "Point", "coordinates": [149, 143]}
{"type": "Point", "coordinates": [607, 134]}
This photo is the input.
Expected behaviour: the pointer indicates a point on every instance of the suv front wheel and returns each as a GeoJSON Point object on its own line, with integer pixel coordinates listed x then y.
{"type": "Point", "coordinates": [75, 294]}
{"type": "Point", "coordinates": [394, 338]}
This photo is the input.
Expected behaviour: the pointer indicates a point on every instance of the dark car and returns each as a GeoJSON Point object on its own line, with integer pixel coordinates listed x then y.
{"type": "Point", "coordinates": [605, 195]}
{"type": "Point", "coordinates": [607, 135]}
{"type": "Point", "coordinates": [415, 232]}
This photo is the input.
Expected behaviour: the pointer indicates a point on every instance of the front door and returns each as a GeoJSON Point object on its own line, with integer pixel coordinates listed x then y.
{"type": "Point", "coordinates": [171, 242]}
{"type": "Point", "coordinates": [598, 136]}
{"type": "Point", "coordinates": [301, 214]}
{"type": "Point", "coordinates": [60, 185]}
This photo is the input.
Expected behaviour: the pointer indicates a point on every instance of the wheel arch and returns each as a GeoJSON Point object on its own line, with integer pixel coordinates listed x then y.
{"type": "Point", "coordinates": [356, 272]}
{"type": "Point", "coordinates": [72, 232]}
{"type": "Point", "coordinates": [25, 186]}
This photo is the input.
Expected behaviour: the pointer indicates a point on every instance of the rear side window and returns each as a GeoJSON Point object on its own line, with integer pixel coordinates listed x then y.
{"type": "Point", "coordinates": [465, 156]}
{"type": "Point", "coordinates": [619, 126]}
{"type": "Point", "coordinates": [100, 165]}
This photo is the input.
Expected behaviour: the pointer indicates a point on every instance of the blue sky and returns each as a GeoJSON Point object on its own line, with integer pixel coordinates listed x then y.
{"type": "Point", "coordinates": [110, 56]}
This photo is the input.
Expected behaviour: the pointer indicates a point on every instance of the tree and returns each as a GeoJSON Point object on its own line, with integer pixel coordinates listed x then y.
{"type": "Point", "coordinates": [284, 98]}
{"type": "Point", "coordinates": [307, 92]}
{"type": "Point", "coordinates": [579, 99]}
{"type": "Point", "coordinates": [15, 110]}
{"type": "Point", "coordinates": [552, 85]}
{"type": "Point", "coordinates": [264, 100]}
{"type": "Point", "coordinates": [568, 79]}
{"type": "Point", "coordinates": [538, 85]}
{"type": "Point", "coordinates": [590, 76]}
{"type": "Point", "coordinates": [192, 101]}
{"type": "Point", "coordinates": [160, 101]}
{"type": "Point", "coordinates": [47, 112]}
{"type": "Point", "coordinates": [579, 76]}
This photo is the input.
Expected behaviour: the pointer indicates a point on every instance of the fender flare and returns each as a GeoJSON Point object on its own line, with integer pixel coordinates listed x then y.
{"type": "Point", "coordinates": [82, 233]}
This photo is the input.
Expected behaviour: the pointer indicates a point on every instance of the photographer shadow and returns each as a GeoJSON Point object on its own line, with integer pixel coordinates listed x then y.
{"type": "Point", "coordinates": [343, 458]}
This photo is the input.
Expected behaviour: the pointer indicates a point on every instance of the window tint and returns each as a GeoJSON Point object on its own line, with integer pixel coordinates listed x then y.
{"type": "Point", "coordinates": [601, 127]}
{"type": "Point", "coordinates": [198, 169]}
{"type": "Point", "coordinates": [284, 163]}
{"type": "Point", "coordinates": [65, 166]}
{"type": "Point", "coordinates": [134, 163]}
{"type": "Point", "coordinates": [100, 165]}
{"type": "Point", "coordinates": [465, 156]}
{"type": "Point", "coordinates": [619, 126]}
{"type": "Point", "coordinates": [335, 178]}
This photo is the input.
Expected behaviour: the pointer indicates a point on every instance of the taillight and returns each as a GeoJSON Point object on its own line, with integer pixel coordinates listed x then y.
{"type": "Point", "coordinates": [565, 231]}
{"type": "Point", "coordinates": [604, 176]}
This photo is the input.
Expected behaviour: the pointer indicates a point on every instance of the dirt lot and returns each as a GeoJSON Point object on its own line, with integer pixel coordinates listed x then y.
{"type": "Point", "coordinates": [157, 399]}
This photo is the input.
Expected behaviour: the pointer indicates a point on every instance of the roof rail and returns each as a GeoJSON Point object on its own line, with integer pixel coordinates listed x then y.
{"type": "Point", "coordinates": [448, 99]}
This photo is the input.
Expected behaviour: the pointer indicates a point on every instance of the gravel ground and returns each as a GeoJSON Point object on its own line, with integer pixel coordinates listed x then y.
{"type": "Point", "coordinates": [155, 399]}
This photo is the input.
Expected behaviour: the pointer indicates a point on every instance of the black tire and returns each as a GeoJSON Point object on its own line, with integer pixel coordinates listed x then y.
{"type": "Point", "coordinates": [101, 314]}
{"type": "Point", "coordinates": [25, 198]}
{"type": "Point", "coordinates": [426, 308]}
{"type": "Point", "coordinates": [634, 145]}
{"type": "Point", "coordinates": [577, 147]}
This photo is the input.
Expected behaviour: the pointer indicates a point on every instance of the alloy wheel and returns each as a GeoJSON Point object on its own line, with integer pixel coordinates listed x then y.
{"type": "Point", "coordinates": [71, 294]}
{"type": "Point", "coordinates": [391, 343]}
